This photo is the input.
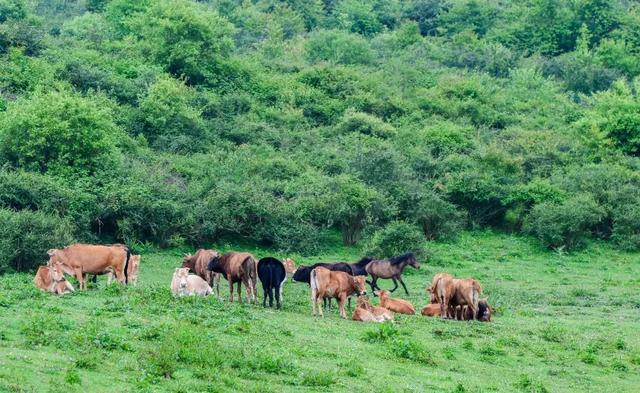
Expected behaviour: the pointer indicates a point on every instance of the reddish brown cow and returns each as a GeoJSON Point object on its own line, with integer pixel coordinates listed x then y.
{"type": "Point", "coordinates": [51, 279]}
{"type": "Point", "coordinates": [199, 264]}
{"type": "Point", "coordinates": [83, 259]}
{"type": "Point", "coordinates": [452, 292]}
{"type": "Point", "coordinates": [338, 285]}
{"type": "Point", "coordinates": [396, 305]}
{"type": "Point", "coordinates": [240, 268]}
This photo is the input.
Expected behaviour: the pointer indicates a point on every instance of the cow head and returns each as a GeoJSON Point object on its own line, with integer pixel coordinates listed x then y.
{"type": "Point", "coordinates": [432, 296]}
{"type": "Point", "coordinates": [134, 266]}
{"type": "Point", "coordinates": [188, 261]}
{"type": "Point", "coordinates": [54, 256]}
{"type": "Point", "coordinates": [289, 266]}
{"type": "Point", "coordinates": [181, 275]}
{"type": "Point", "coordinates": [359, 285]}
{"type": "Point", "coordinates": [56, 272]}
{"type": "Point", "coordinates": [302, 274]}
{"type": "Point", "coordinates": [382, 293]}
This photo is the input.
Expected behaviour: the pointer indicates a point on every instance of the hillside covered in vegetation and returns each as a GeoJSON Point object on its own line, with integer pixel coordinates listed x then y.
{"type": "Point", "coordinates": [282, 123]}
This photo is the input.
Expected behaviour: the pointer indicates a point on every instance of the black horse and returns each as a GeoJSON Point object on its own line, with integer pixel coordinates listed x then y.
{"type": "Point", "coordinates": [391, 268]}
{"type": "Point", "coordinates": [272, 275]}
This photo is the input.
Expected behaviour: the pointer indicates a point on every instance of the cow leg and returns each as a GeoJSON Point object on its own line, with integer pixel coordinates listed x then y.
{"type": "Point", "coordinates": [239, 291]}
{"type": "Point", "coordinates": [395, 284]}
{"type": "Point", "coordinates": [216, 278]}
{"type": "Point", "coordinates": [230, 288]}
{"type": "Point", "coordinates": [264, 296]}
{"type": "Point", "coordinates": [278, 291]}
{"type": "Point", "coordinates": [341, 301]}
{"type": "Point", "coordinates": [444, 308]}
{"type": "Point", "coordinates": [403, 286]}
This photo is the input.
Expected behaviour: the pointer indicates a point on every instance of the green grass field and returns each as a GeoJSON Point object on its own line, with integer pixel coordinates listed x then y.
{"type": "Point", "coordinates": [564, 323]}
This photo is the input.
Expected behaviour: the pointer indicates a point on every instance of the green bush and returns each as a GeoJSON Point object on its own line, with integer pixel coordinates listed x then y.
{"type": "Point", "coordinates": [59, 132]}
{"type": "Point", "coordinates": [437, 217]}
{"type": "Point", "coordinates": [564, 225]}
{"type": "Point", "coordinates": [396, 238]}
{"type": "Point", "coordinates": [338, 47]}
{"type": "Point", "coordinates": [25, 237]}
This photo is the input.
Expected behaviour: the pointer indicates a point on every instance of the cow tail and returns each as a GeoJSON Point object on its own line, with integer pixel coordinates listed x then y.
{"type": "Point", "coordinates": [313, 281]}
{"type": "Point", "coordinates": [126, 265]}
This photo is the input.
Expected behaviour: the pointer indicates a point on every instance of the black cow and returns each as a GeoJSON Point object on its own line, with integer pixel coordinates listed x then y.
{"type": "Point", "coordinates": [360, 268]}
{"type": "Point", "coordinates": [272, 275]}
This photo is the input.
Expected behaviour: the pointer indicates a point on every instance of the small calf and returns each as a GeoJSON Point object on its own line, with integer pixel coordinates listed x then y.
{"type": "Point", "coordinates": [396, 305]}
{"type": "Point", "coordinates": [51, 279]}
{"type": "Point", "coordinates": [431, 310]}
{"type": "Point", "coordinates": [185, 284]}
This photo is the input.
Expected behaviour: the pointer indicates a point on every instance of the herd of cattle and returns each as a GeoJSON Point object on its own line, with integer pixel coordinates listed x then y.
{"type": "Point", "coordinates": [449, 297]}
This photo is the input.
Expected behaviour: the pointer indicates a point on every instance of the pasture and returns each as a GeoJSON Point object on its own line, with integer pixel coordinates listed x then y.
{"type": "Point", "coordinates": [564, 323]}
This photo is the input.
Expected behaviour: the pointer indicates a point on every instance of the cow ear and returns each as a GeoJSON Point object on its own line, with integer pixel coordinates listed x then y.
{"type": "Point", "coordinates": [51, 251]}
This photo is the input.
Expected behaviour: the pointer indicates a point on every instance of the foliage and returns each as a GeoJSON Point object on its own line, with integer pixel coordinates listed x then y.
{"type": "Point", "coordinates": [396, 238]}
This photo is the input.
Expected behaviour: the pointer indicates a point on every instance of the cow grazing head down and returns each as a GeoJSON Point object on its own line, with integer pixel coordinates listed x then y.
{"type": "Point", "coordinates": [359, 285]}
{"type": "Point", "coordinates": [54, 256]}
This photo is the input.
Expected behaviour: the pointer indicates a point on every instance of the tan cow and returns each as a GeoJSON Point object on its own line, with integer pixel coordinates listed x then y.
{"type": "Point", "coordinates": [338, 285]}
{"type": "Point", "coordinates": [431, 310]}
{"type": "Point", "coordinates": [185, 284]}
{"type": "Point", "coordinates": [83, 259]}
{"type": "Point", "coordinates": [240, 268]}
{"type": "Point", "coordinates": [396, 305]}
{"type": "Point", "coordinates": [51, 279]}
{"type": "Point", "coordinates": [133, 267]}
{"type": "Point", "coordinates": [289, 266]}
{"type": "Point", "coordinates": [452, 292]}
{"type": "Point", "coordinates": [362, 312]}
{"type": "Point", "coordinates": [380, 314]}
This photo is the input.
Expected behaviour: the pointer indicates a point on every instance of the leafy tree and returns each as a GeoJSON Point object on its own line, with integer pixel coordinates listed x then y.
{"type": "Point", "coordinates": [338, 47]}
{"type": "Point", "coordinates": [59, 132]}
{"type": "Point", "coordinates": [186, 38]}
{"type": "Point", "coordinates": [397, 238]}
{"type": "Point", "coordinates": [425, 12]}
{"type": "Point", "coordinates": [358, 16]}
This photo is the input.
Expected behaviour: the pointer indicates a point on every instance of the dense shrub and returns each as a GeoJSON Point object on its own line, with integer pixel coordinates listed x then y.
{"type": "Point", "coordinates": [396, 238]}
{"type": "Point", "coordinates": [564, 225]}
{"type": "Point", "coordinates": [59, 132]}
{"type": "Point", "coordinates": [338, 47]}
{"type": "Point", "coordinates": [26, 236]}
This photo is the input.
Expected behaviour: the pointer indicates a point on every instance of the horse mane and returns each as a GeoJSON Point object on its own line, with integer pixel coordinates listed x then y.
{"type": "Point", "coordinates": [401, 258]}
{"type": "Point", "coordinates": [363, 261]}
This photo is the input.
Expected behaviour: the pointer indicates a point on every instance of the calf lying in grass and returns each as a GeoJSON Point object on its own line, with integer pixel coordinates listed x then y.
{"type": "Point", "coordinates": [366, 312]}
{"type": "Point", "coordinates": [51, 279]}
{"type": "Point", "coordinates": [185, 284]}
{"type": "Point", "coordinates": [396, 305]}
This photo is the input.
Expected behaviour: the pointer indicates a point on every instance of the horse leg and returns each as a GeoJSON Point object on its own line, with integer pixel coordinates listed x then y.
{"type": "Point", "coordinates": [403, 286]}
{"type": "Point", "coordinates": [395, 284]}
{"type": "Point", "coordinates": [373, 284]}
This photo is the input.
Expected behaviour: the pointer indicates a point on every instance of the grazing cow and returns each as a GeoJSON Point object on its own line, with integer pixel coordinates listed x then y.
{"type": "Point", "coordinates": [339, 285]}
{"type": "Point", "coordinates": [185, 284]}
{"type": "Point", "coordinates": [380, 313]}
{"type": "Point", "coordinates": [83, 259]}
{"type": "Point", "coordinates": [452, 292]}
{"type": "Point", "coordinates": [51, 279]}
{"type": "Point", "coordinates": [396, 305]}
{"type": "Point", "coordinates": [464, 313]}
{"type": "Point", "coordinates": [272, 274]}
{"type": "Point", "coordinates": [391, 268]}
{"type": "Point", "coordinates": [240, 268]}
{"type": "Point", "coordinates": [199, 264]}
{"type": "Point", "coordinates": [289, 266]}
{"type": "Point", "coordinates": [431, 310]}
{"type": "Point", "coordinates": [362, 312]}
{"type": "Point", "coordinates": [132, 271]}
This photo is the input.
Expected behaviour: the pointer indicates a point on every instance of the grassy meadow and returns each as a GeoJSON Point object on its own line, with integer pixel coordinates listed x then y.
{"type": "Point", "coordinates": [564, 323]}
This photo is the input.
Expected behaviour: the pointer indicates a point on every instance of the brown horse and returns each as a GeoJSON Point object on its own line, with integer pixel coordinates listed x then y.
{"type": "Point", "coordinates": [391, 268]}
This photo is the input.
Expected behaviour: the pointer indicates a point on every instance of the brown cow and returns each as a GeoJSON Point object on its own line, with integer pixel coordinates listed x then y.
{"type": "Point", "coordinates": [199, 264]}
{"type": "Point", "coordinates": [363, 313]}
{"type": "Point", "coordinates": [464, 313]}
{"type": "Point", "coordinates": [185, 284]}
{"type": "Point", "coordinates": [133, 267]}
{"type": "Point", "coordinates": [240, 268]}
{"type": "Point", "coordinates": [379, 313]}
{"type": "Point", "coordinates": [338, 285]}
{"type": "Point", "coordinates": [452, 292]}
{"type": "Point", "coordinates": [51, 279]}
{"type": "Point", "coordinates": [431, 310]}
{"type": "Point", "coordinates": [395, 305]}
{"type": "Point", "coordinates": [289, 266]}
{"type": "Point", "coordinates": [83, 259]}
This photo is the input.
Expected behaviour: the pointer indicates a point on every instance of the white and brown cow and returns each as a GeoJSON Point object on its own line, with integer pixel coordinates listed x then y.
{"type": "Point", "coordinates": [51, 279]}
